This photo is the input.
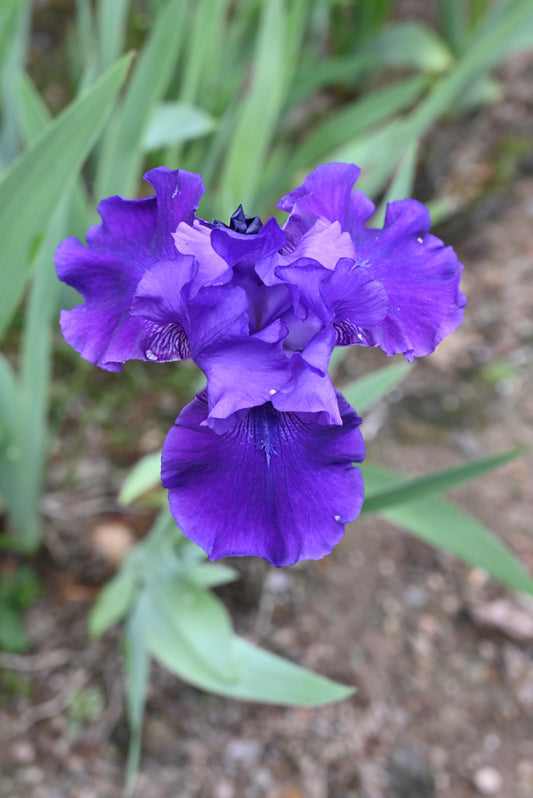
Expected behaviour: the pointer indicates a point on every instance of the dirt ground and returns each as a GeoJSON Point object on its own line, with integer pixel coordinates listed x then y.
{"type": "Point", "coordinates": [444, 701]}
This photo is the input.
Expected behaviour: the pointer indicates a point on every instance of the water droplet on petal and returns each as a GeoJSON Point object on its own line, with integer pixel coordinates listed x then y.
{"type": "Point", "coordinates": [272, 391]}
{"type": "Point", "coordinates": [150, 355]}
{"type": "Point", "coordinates": [337, 518]}
{"type": "Point", "coordinates": [420, 239]}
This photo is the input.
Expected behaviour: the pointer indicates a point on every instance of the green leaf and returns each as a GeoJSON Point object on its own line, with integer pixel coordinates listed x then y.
{"type": "Point", "coordinates": [500, 27]}
{"type": "Point", "coordinates": [484, 90]}
{"type": "Point", "coordinates": [174, 122]}
{"type": "Point", "coordinates": [198, 619]}
{"type": "Point", "coordinates": [366, 150]}
{"type": "Point", "coordinates": [437, 482]}
{"type": "Point", "coordinates": [137, 671]}
{"type": "Point", "coordinates": [261, 107]}
{"type": "Point", "coordinates": [271, 679]}
{"type": "Point", "coordinates": [401, 185]}
{"type": "Point", "coordinates": [36, 370]}
{"type": "Point", "coordinates": [12, 634]}
{"type": "Point", "coordinates": [441, 523]}
{"type": "Point", "coordinates": [261, 676]}
{"type": "Point", "coordinates": [113, 602]}
{"type": "Point", "coordinates": [211, 574]}
{"type": "Point", "coordinates": [112, 18]}
{"type": "Point", "coordinates": [341, 127]}
{"type": "Point", "coordinates": [410, 45]}
{"type": "Point", "coordinates": [121, 155]}
{"type": "Point", "coordinates": [145, 475]}
{"type": "Point", "coordinates": [34, 117]}
{"type": "Point", "coordinates": [30, 190]}
{"type": "Point", "coordinates": [367, 390]}
{"type": "Point", "coordinates": [453, 17]}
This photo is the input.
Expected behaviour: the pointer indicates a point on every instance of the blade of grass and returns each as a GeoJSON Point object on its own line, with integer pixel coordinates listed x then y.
{"type": "Point", "coordinates": [260, 110]}
{"type": "Point", "coordinates": [479, 56]}
{"type": "Point", "coordinates": [121, 155]}
{"type": "Point", "coordinates": [437, 482]}
{"type": "Point", "coordinates": [111, 18]}
{"type": "Point", "coordinates": [367, 390]}
{"type": "Point", "coordinates": [442, 524]}
{"type": "Point", "coordinates": [29, 191]}
{"type": "Point", "coordinates": [351, 120]}
{"type": "Point", "coordinates": [402, 183]}
{"type": "Point", "coordinates": [33, 118]}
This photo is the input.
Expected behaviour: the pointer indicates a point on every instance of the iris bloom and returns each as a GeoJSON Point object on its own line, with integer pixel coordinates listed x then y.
{"type": "Point", "coordinates": [261, 462]}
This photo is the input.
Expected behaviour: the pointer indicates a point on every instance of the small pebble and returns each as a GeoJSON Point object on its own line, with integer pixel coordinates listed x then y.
{"type": "Point", "coordinates": [488, 781]}
{"type": "Point", "coordinates": [22, 752]}
{"type": "Point", "coordinates": [244, 751]}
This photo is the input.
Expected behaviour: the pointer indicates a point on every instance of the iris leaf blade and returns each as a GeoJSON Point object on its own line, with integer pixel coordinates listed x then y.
{"type": "Point", "coordinates": [261, 677]}
{"type": "Point", "coordinates": [366, 391]}
{"type": "Point", "coordinates": [485, 48]}
{"type": "Point", "coordinates": [198, 619]}
{"type": "Point", "coordinates": [137, 664]}
{"type": "Point", "coordinates": [352, 120]}
{"type": "Point", "coordinates": [121, 154]}
{"type": "Point", "coordinates": [437, 482]}
{"type": "Point", "coordinates": [442, 524]}
{"type": "Point", "coordinates": [29, 190]}
{"type": "Point", "coordinates": [261, 107]}
{"type": "Point", "coordinates": [144, 476]}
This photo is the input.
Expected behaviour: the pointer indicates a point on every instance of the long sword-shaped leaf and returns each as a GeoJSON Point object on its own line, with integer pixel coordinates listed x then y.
{"type": "Point", "coordinates": [30, 191]}
{"type": "Point", "coordinates": [438, 482]}
{"type": "Point", "coordinates": [367, 390]}
{"type": "Point", "coordinates": [443, 524]}
{"type": "Point", "coordinates": [260, 110]}
{"type": "Point", "coordinates": [137, 672]}
{"type": "Point", "coordinates": [479, 56]}
{"type": "Point", "coordinates": [121, 156]}
{"type": "Point", "coordinates": [350, 121]}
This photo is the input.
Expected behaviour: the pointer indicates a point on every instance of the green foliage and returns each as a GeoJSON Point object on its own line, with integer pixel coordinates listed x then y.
{"type": "Point", "coordinates": [18, 589]}
{"type": "Point", "coordinates": [442, 524]}
{"type": "Point", "coordinates": [253, 95]}
{"type": "Point", "coordinates": [161, 592]}
{"type": "Point", "coordinates": [30, 190]}
{"type": "Point", "coordinates": [365, 392]}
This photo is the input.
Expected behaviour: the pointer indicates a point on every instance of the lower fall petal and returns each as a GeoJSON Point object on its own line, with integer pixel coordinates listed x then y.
{"type": "Point", "coordinates": [276, 485]}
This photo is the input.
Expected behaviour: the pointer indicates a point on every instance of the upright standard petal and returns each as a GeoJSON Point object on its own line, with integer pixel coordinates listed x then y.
{"type": "Point", "coordinates": [419, 275]}
{"type": "Point", "coordinates": [134, 235]}
{"type": "Point", "coordinates": [275, 485]}
{"type": "Point", "coordinates": [421, 279]}
{"type": "Point", "coordinates": [326, 192]}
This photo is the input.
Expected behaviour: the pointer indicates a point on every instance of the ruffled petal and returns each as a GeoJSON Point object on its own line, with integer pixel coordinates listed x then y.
{"type": "Point", "coordinates": [420, 277]}
{"type": "Point", "coordinates": [176, 324]}
{"type": "Point", "coordinates": [243, 373]}
{"type": "Point", "coordinates": [324, 243]}
{"type": "Point", "coordinates": [195, 240]}
{"type": "Point", "coordinates": [237, 247]}
{"type": "Point", "coordinates": [356, 301]}
{"type": "Point", "coordinates": [326, 192]}
{"type": "Point", "coordinates": [134, 235]}
{"type": "Point", "coordinates": [108, 283]}
{"type": "Point", "coordinates": [275, 485]}
{"type": "Point", "coordinates": [309, 390]}
{"type": "Point", "coordinates": [178, 193]}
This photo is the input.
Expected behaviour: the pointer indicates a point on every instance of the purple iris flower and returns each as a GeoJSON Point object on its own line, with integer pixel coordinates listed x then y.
{"type": "Point", "coordinates": [261, 462]}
